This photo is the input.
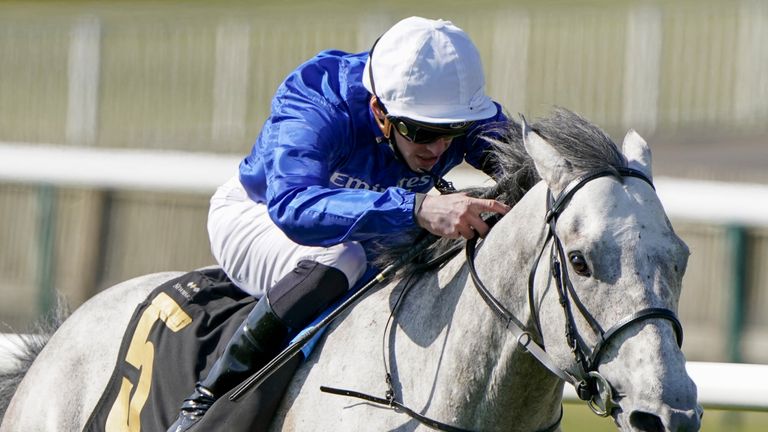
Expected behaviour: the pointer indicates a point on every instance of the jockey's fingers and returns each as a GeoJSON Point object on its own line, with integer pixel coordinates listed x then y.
{"type": "Point", "coordinates": [478, 224]}
{"type": "Point", "coordinates": [466, 231]}
{"type": "Point", "coordinates": [489, 205]}
{"type": "Point", "coordinates": [482, 230]}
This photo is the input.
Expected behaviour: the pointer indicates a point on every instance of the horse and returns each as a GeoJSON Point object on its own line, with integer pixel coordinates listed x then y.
{"type": "Point", "coordinates": [578, 284]}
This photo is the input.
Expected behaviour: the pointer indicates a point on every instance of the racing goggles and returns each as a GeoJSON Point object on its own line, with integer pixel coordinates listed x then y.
{"type": "Point", "coordinates": [426, 133]}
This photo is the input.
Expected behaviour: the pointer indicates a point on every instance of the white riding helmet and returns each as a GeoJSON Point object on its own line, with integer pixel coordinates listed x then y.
{"type": "Point", "coordinates": [429, 71]}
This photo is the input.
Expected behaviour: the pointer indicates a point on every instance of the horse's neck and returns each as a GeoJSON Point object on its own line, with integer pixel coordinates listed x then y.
{"type": "Point", "coordinates": [498, 381]}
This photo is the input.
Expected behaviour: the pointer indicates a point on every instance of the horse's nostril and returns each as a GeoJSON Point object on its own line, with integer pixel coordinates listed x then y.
{"type": "Point", "coordinates": [645, 422]}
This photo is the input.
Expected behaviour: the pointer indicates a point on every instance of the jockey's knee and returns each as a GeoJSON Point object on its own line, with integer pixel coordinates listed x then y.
{"type": "Point", "coordinates": [319, 278]}
{"type": "Point", "coordinates": [348, 257]}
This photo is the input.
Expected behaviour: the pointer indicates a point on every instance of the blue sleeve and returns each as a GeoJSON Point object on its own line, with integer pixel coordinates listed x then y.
{"type": "Point", "coordinates": [303, 140]}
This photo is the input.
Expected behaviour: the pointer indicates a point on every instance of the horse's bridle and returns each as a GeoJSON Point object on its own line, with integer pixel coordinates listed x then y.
{"type": "Point", "coordinates": [590, 385]}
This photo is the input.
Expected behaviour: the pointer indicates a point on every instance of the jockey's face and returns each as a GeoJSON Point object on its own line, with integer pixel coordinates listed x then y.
{"type": "Point", "coordinates": [421, 156]}
{"type": "Point", "coordinates": [418, 156]}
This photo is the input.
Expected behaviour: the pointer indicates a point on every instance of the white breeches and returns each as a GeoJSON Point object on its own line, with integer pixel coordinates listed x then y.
{"type": "Point", "coordinates": [255, 253]}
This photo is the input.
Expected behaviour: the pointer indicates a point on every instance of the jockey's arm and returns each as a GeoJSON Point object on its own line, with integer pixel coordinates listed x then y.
{"type": "Point", "coordinates": [300, 150]}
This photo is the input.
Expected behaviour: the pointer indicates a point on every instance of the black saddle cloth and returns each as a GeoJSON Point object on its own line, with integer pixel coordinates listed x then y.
{"type": "Point", "coordinates": [173, 339]}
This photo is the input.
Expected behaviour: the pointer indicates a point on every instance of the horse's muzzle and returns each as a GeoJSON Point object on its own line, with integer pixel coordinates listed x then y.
{"type": "Point", "coordinates": [673, 421]}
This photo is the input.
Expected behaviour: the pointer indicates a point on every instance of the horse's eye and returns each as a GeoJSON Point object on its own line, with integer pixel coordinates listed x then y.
{"type": "Point", "coordinates": [579, 263]}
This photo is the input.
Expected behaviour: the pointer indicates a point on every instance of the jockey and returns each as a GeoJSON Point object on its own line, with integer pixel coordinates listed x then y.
{"type": "Point", "coordinates": [352, 145]}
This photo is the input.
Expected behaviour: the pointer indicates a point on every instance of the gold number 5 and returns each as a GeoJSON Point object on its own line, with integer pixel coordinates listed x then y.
{"type": "Point", "coordinates": [126, 411]}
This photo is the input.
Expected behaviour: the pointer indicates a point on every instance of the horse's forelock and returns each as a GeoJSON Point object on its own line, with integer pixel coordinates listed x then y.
{"type": "Point", "coordinates": [583, 144]}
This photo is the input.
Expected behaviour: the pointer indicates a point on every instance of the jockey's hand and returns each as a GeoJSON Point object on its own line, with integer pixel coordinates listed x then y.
{"type": "Point", "coordinates": [457, 215]}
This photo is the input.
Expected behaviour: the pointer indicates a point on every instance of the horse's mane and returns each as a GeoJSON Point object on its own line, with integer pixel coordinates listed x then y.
{"type": "Point", "coordinates": [584, 146]}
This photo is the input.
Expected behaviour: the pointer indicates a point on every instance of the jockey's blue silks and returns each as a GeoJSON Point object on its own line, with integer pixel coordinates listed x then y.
{"type": "Point", "coordinates": [307, 179]}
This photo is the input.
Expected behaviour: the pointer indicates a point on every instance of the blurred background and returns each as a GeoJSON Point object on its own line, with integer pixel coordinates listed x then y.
{"type": "Point", "coordinates": [128, 84]}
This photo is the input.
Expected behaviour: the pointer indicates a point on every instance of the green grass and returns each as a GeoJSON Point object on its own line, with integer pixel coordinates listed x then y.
{"type": "Point", "coordinates": [579, 418]}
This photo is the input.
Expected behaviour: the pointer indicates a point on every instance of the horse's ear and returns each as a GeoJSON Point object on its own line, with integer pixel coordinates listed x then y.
{"type": "Point", "coordinates": [638, 153]}
{"type": "Point", "coordinates": [550, 165]}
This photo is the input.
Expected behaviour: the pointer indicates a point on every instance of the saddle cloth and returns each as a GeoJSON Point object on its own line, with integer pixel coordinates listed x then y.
{"type": "Point", "coordinates": [173, 339]}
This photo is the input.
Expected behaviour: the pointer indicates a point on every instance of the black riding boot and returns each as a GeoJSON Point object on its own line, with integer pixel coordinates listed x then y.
{"type": "Point", "coordinates": [260, 338]}
{"type": "Point", "coordinates": [293, 302]}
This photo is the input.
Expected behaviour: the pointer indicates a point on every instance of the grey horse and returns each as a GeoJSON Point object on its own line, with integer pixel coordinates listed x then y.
{"type": "Point", "coordinates": [590, 284]}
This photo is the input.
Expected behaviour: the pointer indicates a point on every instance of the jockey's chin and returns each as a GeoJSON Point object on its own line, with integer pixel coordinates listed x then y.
{"type": "Point", "coordinates": [422, 157]}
